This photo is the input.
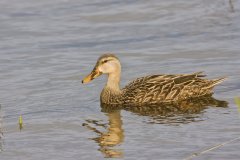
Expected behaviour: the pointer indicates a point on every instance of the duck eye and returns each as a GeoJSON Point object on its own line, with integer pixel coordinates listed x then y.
{"type": "Point", "coordinates": [105, 61]}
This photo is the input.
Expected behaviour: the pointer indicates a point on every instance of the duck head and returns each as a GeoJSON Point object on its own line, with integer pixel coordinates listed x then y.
{"type": "Point", "coordinates": [106, 64]}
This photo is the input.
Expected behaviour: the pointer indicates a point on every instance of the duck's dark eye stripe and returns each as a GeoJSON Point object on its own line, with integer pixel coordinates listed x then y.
{"type": "Point", "coordinates": [105, 61]}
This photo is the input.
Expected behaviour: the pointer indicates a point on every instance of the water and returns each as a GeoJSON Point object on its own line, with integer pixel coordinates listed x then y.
{"type": "Point", "coordinates": [47, 47]}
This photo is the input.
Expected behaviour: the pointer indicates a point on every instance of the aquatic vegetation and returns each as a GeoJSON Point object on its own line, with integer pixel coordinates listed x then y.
{"type": "Point", "coordinates": [237, 101]}
{"type": "Point", "coordinates": [20, 122]}
{"type": "Point", "coordinates": [196, 154]}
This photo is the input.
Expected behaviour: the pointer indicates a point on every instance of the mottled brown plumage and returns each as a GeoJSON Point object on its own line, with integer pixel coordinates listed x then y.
{"type": "Point", "coordinates": [167, 88]}
{"type": "Point", "coordinates": [151, 89]}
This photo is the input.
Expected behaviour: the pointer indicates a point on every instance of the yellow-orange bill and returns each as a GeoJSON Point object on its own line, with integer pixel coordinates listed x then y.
{"type": "Point", "coordinates": [91, 76]}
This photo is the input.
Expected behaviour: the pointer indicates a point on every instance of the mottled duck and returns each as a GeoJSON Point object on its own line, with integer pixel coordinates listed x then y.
{"type": "Point", "coordinates": [152, 89]}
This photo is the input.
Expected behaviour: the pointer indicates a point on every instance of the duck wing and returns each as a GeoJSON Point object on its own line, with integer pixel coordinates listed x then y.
{"type": "Point", "coordinates": [167, 88]}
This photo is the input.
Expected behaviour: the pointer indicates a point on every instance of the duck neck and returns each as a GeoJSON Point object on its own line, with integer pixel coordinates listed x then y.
{"type": "Point", "coordinates": [113, 81]}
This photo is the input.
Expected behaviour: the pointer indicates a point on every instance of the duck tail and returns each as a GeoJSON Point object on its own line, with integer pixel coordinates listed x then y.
{"type": "Point", "coordinates": [214, 82]}
{"type": "Point", "coordinates": [219, 80]}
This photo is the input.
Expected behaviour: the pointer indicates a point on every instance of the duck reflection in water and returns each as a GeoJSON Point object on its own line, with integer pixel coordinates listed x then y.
{"type": "Point", "coordinates": [168, 114]}
{"type": "Point", "coordinates": [172, 113]}
{"type": "Point", "coordinates": [112, 137]}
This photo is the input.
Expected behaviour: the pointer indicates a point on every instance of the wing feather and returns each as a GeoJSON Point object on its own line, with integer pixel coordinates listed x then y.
{"type": "Point", "coordinates": [156, 88]}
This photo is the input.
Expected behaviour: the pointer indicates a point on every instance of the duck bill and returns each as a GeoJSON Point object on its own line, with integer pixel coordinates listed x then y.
{"type": "Point", "coordinates": [94, 74]}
